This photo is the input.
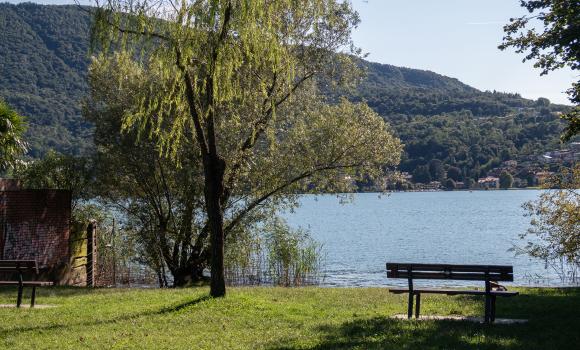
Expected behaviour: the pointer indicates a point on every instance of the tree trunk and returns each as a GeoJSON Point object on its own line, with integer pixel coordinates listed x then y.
{"type": "Point", "coordinates": [214, 179]}
{"type": "Point", "coordinates": [161, 279]}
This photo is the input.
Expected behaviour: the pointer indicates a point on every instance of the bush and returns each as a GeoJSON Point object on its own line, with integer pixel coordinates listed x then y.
{"type": "Point", "coordinates": [505, 180]}
{"type": "Point", "coordinates": [554, 235]}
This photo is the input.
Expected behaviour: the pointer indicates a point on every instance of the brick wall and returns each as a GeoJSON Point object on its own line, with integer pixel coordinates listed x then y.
{"type": "Point", "coordinates": [35, 224]}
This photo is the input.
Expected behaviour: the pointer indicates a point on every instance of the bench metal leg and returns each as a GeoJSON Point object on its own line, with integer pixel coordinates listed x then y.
{"type": "Point", "coordinates": [410, 307]}
{"type": "Point", "coordinates": [33, 297]}
{"type": "Point", "coordinates": [487, 308]}
{"type": "Point", "coordinates": [418, 306]}
{"type": "Point", "coordinates": [487, 299]}
{"type": "Point", "coordinates": [492, 316]}
{"type": "Point", "coordinates": [19, 298]}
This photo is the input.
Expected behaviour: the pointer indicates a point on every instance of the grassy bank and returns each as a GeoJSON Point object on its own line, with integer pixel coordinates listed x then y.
{"type": "Point", "coordinates": [278, 318]}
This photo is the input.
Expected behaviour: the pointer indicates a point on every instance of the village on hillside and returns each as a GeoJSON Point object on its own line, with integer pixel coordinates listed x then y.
{"type": "Point", "coordinates": [531, 172]}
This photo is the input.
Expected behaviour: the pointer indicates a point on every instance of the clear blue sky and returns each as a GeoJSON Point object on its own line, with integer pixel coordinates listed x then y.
{"type": "Point", "coordinates": [457, 38]}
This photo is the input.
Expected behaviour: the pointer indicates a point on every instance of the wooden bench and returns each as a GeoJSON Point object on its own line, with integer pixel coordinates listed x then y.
{"type": "Point", "coordinates": [22, 267]}
{"type": "Point", "coordinates": [491, 274]}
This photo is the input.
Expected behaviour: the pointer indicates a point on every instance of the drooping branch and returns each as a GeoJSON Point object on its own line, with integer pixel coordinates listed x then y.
{"type": "Point", "coordinates": [146, 33]}
{"type": "Point", "coordinates": [258, 128]}
{"type": "Point", "coordinates": [190, 95]}
{"type": "Point", "coordinates": [255, 203]}
{"type": "Point", "coordinates": [209, 89]}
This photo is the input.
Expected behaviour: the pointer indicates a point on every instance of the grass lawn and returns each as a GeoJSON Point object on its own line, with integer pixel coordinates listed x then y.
{"type": "Point", "coordinates": [279, 318]}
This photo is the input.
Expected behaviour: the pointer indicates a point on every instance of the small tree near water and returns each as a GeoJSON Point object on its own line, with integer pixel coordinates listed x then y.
{"type": "Point", "coordinates": [554, 235]}
{"type": "Point", "coordinates": [450, 184]}
{"type": "Point", "coordinates": [506, 180]}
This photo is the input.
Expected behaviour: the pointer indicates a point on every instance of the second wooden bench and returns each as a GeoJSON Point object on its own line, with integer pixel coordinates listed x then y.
{"type": "Point", "coordinates": [490, 274]}
{"type": "Point", "coordinates": [20, 268]}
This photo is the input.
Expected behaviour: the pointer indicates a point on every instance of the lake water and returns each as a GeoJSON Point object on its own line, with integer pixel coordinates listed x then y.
{"type": "Point", "coordinates": [459, 227]}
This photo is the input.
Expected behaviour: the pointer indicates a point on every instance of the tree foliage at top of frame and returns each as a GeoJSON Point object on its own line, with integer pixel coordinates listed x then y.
{"type": "Point", "coordinates": [555, 45]}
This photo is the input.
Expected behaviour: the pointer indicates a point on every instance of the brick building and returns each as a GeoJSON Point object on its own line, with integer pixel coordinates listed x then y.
{"type": "Point", "coordinates": [36, 225]}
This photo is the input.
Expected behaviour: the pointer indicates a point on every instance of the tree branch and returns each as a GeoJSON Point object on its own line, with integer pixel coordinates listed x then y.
{"type": "Point", "coordinates": [190, 94]}
{"type": "Point", "coordinates": [257, 129]}
{"type": "Point", "coordinates": [238, 218]}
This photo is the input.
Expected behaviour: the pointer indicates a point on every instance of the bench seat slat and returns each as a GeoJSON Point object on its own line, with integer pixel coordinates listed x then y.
{"type": "Point", "coordinates": [26, 283]}
{"type": "Point", "coordinates": [452, 291]}
{"type": "Point", "coordinates": [467, 276]}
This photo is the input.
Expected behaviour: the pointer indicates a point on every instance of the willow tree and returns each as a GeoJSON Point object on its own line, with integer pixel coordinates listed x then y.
{"type": "Point", "coordinates": [236, 75]}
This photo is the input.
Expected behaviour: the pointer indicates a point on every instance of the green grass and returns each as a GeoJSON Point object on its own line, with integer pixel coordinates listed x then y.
{"type": "Point", "coordinates": [279, 318]}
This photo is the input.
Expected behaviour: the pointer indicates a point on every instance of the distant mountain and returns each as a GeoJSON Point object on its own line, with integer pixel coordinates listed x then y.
{"type": "Point", "coordinates": [44, 56]}
{"type": "Point", "coordinates": [396, 90]}
{"type": "Point", "coordinates": [43, 65]}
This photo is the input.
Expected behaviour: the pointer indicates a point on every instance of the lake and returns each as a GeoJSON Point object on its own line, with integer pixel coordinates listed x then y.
{"type": "Point", "coordinates": [459, 227]}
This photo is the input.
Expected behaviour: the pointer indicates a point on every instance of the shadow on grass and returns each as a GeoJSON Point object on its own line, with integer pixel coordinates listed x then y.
{"type": "Point", "coordinates": [124, 317]}
{"type": "Point", "coordinates": [554, 321]}
{"type": "Point", "coordinates": [388, 333]}
{"type": "Point", "coordinates": [9, 293]}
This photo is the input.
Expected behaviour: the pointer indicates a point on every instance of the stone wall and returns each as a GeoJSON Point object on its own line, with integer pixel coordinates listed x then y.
{"type": "Point", "coordinates": [76, 272]}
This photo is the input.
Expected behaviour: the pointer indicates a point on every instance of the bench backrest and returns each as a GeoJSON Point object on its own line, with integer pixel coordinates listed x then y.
{"type": "Point", "coordinates": [451, 272]}
{"type": "Point", "coordinates": [21, 266]}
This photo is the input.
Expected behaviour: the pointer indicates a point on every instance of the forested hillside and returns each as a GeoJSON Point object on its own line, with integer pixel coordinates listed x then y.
{"type": "Point", "coordinates": [43, 65]}
{"type": "Point", "coordinates": [44, 55]}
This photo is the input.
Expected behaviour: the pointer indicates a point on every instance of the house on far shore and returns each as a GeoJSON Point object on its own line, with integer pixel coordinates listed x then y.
{"type": "Point", "coordinates": [541, 177]}
{"type": "Point", "coordinates": [488, 182]}
{"type": "Point", "coordinates": [561, 156]}
{"type": "Point", "coordinates": [510, 164]}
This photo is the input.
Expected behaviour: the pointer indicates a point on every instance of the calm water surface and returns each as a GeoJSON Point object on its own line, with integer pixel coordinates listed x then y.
{"type": "Point", "coordinates": [431, 227]}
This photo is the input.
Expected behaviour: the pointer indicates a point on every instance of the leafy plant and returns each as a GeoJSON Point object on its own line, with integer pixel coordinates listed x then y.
{"type": "Point", "coordinates": [12, 145]}
{"type": "Point", "coordinates": [554, 235]}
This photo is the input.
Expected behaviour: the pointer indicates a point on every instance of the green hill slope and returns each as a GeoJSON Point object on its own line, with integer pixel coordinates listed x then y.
{"type": "Point", "coordinates": [44, 55]}
{"type": "Point", "coordinates": [43, 65]}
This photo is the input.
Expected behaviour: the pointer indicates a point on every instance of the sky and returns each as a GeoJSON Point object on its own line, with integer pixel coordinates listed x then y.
{"type": "Point", "coordinates": [456, 38]}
